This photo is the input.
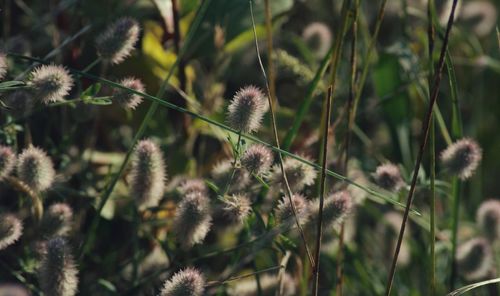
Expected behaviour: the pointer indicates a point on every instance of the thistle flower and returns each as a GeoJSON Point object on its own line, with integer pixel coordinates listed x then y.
{"type": "Point", "coordinates": [185, 282]}
{"type": "Point", "coordinates": [284, 212]}
{"type": "Point", "coordinates": [269, 283]}
{"type": "Point", "coordinates": [58, 275]}
{"type": "Point", "coordinates": [192, 219]}
{"type": "Point", "coordinates": [389, 177]}
{"type": "Point", "coordinates": [319, 36]}
{"type": "Point", "coordinates": [462, 158]}
{"type": "Point", "coordinates": [125, 98]}
{"type": "Point", "coordinates": [7, 161]}
{"type": "Point", "coordinates": [221, 174]}
{"type": "Point", "coordinates": [11, 229]}
{"type": "Point", "coordinates": [35, 169]}
{"type": "Point", "coordinates": [257, 159]}
{"type": "Point", "coordinates": [50, 83]}
{"type": "Point", "coordinates": [147, 175]}
{"type": "Point", "coordinates": [116, 43]}
{"type": "Point", "coordinates": [236, 208]}
{"type": "Point", "coordinates": [488, 218]}
{"type": "Point", "coordinates": [193, 185]}
{"type": "Point", "coordinates": [56, 220]}
{"type": "Point", "coordinates": [336, 207]}
{"type": "Point", "coordinates": [3, 65]}
{"type": "Point", "coordinates": [299, 174]}
{"type": "Point", "coordinates": [475, 259]}
{"type": "Point", "coordinates": [246, 109]}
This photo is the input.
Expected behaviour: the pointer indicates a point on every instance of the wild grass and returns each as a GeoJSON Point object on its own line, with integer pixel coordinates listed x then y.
{"type": "Point", "coordinates": [156, 197]}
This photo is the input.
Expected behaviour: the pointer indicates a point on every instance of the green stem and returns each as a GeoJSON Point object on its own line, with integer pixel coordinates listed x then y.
{"type": "Point", "coordinates": [319, 229]}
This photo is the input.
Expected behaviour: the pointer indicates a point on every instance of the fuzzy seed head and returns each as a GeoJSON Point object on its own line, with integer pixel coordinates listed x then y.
{"type": "Point", "coordinates": [58, 275]}
{"type": "Point", "coordinates": [336, 207]}
{"type": "Point", "coordinates": [389, 177]}
{"type": "Point", "coordinates": [475, 259]}
{"type": "Point", "coordinates": [147, 175]}
{"type": "Point", "coordinates": [236, 208]}
{"type": "Point", "coordinates": [269, 284]}
{"type": "Point", "coordinates": [125, 98]}
{"type": "Point", "coordinates": [387, 231]}
{"type": "Point", "coordinates": [50, 83]}
{"type": "Point", "coordinates": [221, 174]}
{"type": "Point", "coordinates": [7, 161]}
{"type": "Point", "coordinates": [187, 282]}
{"type": "Point", "coordinates": [192, 219]}
{"type": "Point", "coordinates": [299, 174]}
{"type": "Point", "coordinates": [11, 229]}
{"type": "Point", "coordinates": [246, 109]}
{"type": "Point", "coordinates": [20, 102]}
{"type": "Point", "coordinates": [193, 185]}
{"type": "Point", "coordinates": [488, 219]}
{"type": "Point", "coordinates": [462, 158]}
{"type": "Point", "coordinates": [257, 159]}
{"type": "Point", "coordinates": [319, 37]}
{"type": "Point", "coordinates": [3, 65]}
{"type": "Point", "coordinates": [57, 220]}
{"type": "Point", "coordinates": [117, 42]}
{"type": "Point", "coordinates": [284, 212]}
{"type": "Point", "coordinates": [35, 169]}
{"type": "Point", "coordinates": [7, 289]}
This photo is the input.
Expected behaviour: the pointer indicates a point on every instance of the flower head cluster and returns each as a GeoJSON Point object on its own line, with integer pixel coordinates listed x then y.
{"type": "Point", "coordinates": [389, 177]}
{"type": "Point", "coordinates": [319, 36]}
{"type": "Point", "coordinates": [58, 275]}
{"type": "Point", "coordinates": [56, 220]}
{"type": "Point", "coordinates": [299, 174]}
{"type": "Point", "coordinates": [3, 65]}
{"type": "Point", "coordinates": [222, 172]}
{"type": "Point", "coordinates": [475, 259]}
{"type": "Point", "coordinates": [35, 169]}
{"type": "Point", "coordinates": [388, 230]}
{"type": "Point", "coordinates": [125, 98]}
{"type": "Point", "coordinates": [11, 229]}
{"type": "Point", "coordinates": [117, 42]}
{"type": "Point", "coordinates": [257, 159]}
{"type": "Point", "coordinates": [7, 161]}
{"type": "Point", "coordinates": [269, 284]}
{"type": "Point", "coordinates": [185, 282]}
{"type": "Point", "coordinates": [462, 158]}
{"type": "Point", "coordinates": [336, 207]}
{"type": "Point", "coordinates": [246, 109]}
{"type": "Point", "coordinates": [488, 218]}
{"type": "Point", "coordinates": [284, 212]}
{"type": "Point", "coordinates": [147, 176]}
{"type": "Point", "coordinates": [192, 219]}
{"type": "Point", "coordinates": [8, 289]}
{"type": "Point", "coordinates": [20, 102]}
{"type": "Point", "coordinates": [50, 83]}
{"type": "Point", "coordinates": [193, 185]}
{"type": "Point", "coordinates": [236, 208]}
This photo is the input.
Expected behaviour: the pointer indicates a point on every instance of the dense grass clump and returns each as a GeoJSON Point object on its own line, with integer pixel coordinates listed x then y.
{"type": "Point", "coordinates": [236, 147]}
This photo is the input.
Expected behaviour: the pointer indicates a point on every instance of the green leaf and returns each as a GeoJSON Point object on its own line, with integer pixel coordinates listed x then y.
{"type": "Point", "coordinates": [108, 285]}
{"type": "Point", "coordinates": [92, 90]}
{"type": "Point", "coordinates": [8, 85]}
{"type": "Point", "coordinates": [99, 101]}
